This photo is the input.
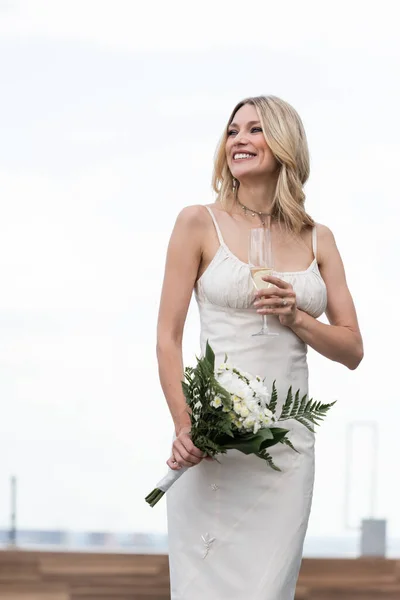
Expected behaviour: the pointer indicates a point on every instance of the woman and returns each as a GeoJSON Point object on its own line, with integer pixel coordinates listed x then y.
{"type": "Point", "coordinates": [236, 527]}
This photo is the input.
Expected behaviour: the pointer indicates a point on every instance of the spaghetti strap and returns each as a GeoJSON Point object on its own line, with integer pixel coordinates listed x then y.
{"type": "Point", "coordinates": [219, 234]}
{"type": "Point", "coordinates": [314, 241]}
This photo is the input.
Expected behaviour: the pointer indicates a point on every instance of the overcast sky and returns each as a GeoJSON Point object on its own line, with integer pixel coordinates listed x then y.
{"type": "Point", "coordinates": [110, 112]}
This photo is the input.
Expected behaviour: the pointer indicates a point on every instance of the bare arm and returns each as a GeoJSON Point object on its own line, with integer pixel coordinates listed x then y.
{"type": "Point", "coordinates": [341, 340]}
{"type": "Point", "coordinates": [181, 269]}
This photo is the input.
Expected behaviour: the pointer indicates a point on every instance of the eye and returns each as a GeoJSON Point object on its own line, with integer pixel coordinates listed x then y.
{"type": "Point", "coordinates": [256, 129]}
{"type": "Point", "coordinates": [230, 132]}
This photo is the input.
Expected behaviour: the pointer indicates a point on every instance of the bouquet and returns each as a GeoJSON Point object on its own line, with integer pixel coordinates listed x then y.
{"type": "Point", "coordinates": [232, 409]}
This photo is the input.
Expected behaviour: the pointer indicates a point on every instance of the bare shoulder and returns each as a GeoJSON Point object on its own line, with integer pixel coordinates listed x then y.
{"type": "Point", "coordinates": [194, 217]}
{"type": "Point", "coordinates": [328, 253]}
{"type": "Point", "coordinates": [324, 233]}
{"type": "Point", "coordinates": [326, 240]}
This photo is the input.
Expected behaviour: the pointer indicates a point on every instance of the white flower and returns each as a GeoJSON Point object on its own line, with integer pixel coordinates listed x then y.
{"type": "Point", "coordinates": [237, 407]}
{"type": "Point", "coordinates": [260, 389]}
{"type": "Point", "coordinates": [268, 413]}
{"type": "Point", "coordinates": [226, 380]}
{"type": "Point", "coordinates": [244, 411]}
{"type": "Point", "coordinates": [198, 405]}
{"type": "Point", "coordinates": [257, 426]}
{"type": "Point", "coordinates": [249, 422]}
{"type": "Point", "coordinates": [225, 367]}
{"type": "Point", "coordinates": [232, 384]}
{"type": "Point", "coordinates": [217, 402]}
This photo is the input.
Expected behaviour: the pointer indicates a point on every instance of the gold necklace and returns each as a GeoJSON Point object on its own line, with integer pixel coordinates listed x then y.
{"type": "Point", "coordinates": [253, 213]}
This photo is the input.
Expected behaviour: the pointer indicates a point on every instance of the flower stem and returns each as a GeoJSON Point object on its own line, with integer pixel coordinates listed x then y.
{"type": "Point", "coordinates": [154, 497]}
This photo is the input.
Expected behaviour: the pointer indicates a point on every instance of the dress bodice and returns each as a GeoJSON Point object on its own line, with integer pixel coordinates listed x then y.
{"type": "Point", "coordinates": [228, 318]}
{"type": "Point", "coordinates": [227, 281]}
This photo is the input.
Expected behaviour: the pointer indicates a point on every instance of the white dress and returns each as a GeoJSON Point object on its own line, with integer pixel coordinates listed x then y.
{"type": "Point", "coordinates": [236, 527]}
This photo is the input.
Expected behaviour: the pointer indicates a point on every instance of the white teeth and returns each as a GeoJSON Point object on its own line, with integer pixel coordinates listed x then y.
{"type": "Point", "coordinates": [235, 156]}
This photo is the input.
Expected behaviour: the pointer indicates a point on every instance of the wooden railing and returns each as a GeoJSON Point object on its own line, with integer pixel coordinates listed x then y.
{"type": "Point", "coordinates": [83, 576]}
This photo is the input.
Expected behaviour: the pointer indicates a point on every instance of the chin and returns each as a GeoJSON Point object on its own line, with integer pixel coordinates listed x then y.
{"type": "Point", "coordinates": [240, 174]}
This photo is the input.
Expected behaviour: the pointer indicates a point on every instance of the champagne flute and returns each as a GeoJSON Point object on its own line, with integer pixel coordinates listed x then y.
{"type": "Point", "coordinates": [261, 264]}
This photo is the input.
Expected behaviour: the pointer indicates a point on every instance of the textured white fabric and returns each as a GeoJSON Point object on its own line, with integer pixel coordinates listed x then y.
{"type": "Point", "coordinates": [235, 526]}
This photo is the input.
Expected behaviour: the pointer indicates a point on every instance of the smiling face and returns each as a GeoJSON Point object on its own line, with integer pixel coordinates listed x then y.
{"type": "Point", "coordinates": [247, 152]}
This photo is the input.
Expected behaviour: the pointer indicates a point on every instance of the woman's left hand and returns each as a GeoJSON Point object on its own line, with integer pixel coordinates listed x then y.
{"type": "Point", "coordinates": [279, 299]}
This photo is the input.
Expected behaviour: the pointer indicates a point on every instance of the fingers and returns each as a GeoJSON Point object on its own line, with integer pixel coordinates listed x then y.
{"type": "Point", "coordinates": [185, 453]}
{"type": "Point", "coordinates": [274, 291]}
{"type": "Point", "coordinates": [281, 304]}
{"type": "Point", "coordinates": [276, 298]}
{"type": "Point", "coordinates": [280, 283]}
{"type": "Point", "coordinates": [188, 445]}
{"type": "Point", "coordinates": [277, 302]}
{"type": "Point", "coordinates": [273, 310]}
{"type": "Point", "coordinates": [173, 464]}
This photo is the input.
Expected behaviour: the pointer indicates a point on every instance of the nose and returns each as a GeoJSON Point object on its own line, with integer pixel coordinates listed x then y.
{"type": "Point", "coordinates": [241, 137]}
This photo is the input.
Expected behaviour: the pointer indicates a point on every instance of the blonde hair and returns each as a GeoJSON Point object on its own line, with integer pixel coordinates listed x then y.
{"type": "Point", "coordinates": [284, 133]}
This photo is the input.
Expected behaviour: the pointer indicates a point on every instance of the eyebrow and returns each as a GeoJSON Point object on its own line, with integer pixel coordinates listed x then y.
{"type": "Point", "coordinates": [249, 123]}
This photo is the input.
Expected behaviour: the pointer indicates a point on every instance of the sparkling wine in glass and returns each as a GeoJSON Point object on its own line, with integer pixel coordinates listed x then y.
{"type": "Point", "coordinates": [261, 265]}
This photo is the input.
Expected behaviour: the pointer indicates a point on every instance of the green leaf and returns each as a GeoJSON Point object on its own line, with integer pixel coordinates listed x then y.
{"type": "Point", "coordinates": [278, 434]}
{"type": "Point", "coordinates": [249, 443]}
{"type": "Point", "coordinates": [210, 356]}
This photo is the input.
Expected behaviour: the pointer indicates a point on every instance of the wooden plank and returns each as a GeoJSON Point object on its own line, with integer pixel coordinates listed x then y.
{"type": "Point", "coordinates": [18, 566]}
{"type": "Point", "coordinates": [101, 564]}
{"type": "Point", "coordinates": [98, 576]}
{"type": "Point", "coordinates": [34, 591]}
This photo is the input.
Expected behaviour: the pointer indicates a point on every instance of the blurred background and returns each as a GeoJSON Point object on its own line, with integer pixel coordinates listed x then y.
{"type": "Point", "coordinates": [110, 113]}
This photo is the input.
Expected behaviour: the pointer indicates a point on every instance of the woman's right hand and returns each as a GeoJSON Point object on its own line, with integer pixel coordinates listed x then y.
{"type": "Point", "coordinates": [184, 453]}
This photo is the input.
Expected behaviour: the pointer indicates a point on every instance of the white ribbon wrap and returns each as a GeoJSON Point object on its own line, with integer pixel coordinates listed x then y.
{"type": "Point", "coordinates": [170, 479]}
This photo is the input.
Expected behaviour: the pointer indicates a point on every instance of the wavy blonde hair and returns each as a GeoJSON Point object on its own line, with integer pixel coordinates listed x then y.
{"type": "Point", "coordinates": [284, 133]}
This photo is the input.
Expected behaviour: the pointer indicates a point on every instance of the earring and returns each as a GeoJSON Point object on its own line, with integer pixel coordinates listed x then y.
{"type": "Point", "coordinates": [234, 185]}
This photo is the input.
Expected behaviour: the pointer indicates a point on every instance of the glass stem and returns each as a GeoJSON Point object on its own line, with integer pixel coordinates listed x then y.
{"type": "Point", "coordinates": [265, 323]}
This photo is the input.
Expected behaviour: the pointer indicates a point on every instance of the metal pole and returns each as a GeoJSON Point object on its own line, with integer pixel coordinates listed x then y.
{"type": "Point", "coordinates": [374, 470]}
{"type": "Point", "coordinates": [13, 525]}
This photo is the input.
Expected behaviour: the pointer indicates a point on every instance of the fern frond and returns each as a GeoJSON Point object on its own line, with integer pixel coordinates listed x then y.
{"type": "Point", "coordinates": [306, 423]}
{"type": "Point", "coordinates": [287, 406]}
{"type": "Point", "coordinates": [308, 405]}
{"type": "Point", "coordinates": [287, 442]}
{"type": "Point", "coordinates": [268, 458]}
{"type": "Point", "coordinates": [296, 404]}
{"type": "Point", "coordinates": [274, 399]}
{"type": "Point", "coordinates": [303, 403]}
